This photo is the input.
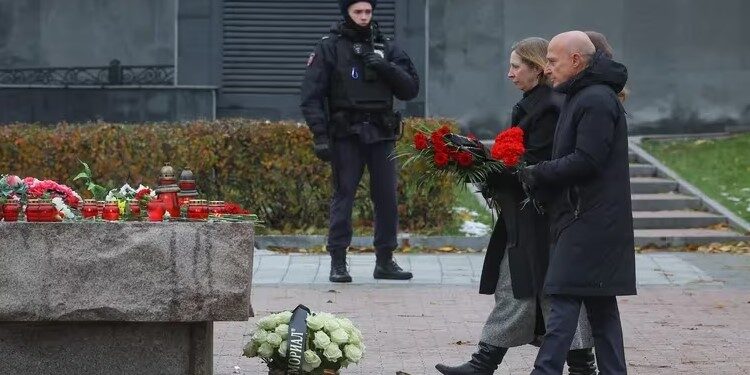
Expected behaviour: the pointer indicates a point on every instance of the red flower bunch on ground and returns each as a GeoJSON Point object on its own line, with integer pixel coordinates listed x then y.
{"type": "Point", "coordinates": [508, 147]}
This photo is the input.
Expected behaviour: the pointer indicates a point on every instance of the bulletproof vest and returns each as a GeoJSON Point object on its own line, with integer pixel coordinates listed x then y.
{"type": "Point", "coordinates": [351, 88]}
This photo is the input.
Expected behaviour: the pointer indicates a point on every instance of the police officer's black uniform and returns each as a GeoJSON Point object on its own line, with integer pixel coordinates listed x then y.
{"type": "Point", "coordinates": [347, 100]}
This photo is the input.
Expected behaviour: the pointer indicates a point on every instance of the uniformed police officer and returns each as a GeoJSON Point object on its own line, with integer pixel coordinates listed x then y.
{"type": "Point", "coordinates": [347, 100]}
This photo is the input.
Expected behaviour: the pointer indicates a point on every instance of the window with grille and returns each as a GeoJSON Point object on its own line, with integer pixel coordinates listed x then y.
{"type": "Point", "coordinates": [267, 42]}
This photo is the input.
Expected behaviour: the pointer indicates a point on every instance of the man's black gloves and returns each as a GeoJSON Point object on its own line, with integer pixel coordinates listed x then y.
{"type": "Point", "coordinates": [376, 62]}
{"type": "Point", "coordinates": [528, 180]}
{"type": "Point", "coordinates": [322, 148]}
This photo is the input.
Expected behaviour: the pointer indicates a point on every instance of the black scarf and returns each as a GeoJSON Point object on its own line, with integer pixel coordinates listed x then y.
{"type": "Point", "coordinates": [356, 33]}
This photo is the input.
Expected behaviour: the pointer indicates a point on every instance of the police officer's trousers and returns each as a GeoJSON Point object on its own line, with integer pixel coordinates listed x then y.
{"type": "Point", "coordinates": [348, 160]}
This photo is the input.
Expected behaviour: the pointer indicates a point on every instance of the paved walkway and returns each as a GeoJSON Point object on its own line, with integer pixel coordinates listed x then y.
{"type": "Point", "coordinates": [449, 269]}
{"type": "Point", "coordinates": [690, 316]}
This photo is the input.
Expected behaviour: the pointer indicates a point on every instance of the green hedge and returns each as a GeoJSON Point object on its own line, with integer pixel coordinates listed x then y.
{"type": "Point", "coordinates": [267, 167]}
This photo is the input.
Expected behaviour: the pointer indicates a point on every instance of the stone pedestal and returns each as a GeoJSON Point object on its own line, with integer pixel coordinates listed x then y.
{"type": "Point", "coordinates": [119, 298]}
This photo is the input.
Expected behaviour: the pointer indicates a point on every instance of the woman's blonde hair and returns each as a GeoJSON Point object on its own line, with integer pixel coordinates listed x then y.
{"type": "Point", "coordinates": [533, 52]}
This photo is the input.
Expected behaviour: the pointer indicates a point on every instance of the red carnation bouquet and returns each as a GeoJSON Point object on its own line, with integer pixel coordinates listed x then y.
{"type": "Point", "coordinates": [443, 152]}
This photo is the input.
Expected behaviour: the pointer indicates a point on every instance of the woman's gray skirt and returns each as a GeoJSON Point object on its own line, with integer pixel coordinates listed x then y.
{"type": "Point", "coordinates": [512, 321]}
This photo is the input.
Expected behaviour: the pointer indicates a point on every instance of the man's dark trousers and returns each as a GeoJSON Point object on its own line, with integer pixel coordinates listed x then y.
{"type": "Point", "coordinates": [561, 326]}
{"type": "Point", "coordinates": [349, 157]}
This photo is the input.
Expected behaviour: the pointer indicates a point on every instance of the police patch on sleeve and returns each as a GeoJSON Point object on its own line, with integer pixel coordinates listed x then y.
{"type": "Point", "coordinates": [311, 59]}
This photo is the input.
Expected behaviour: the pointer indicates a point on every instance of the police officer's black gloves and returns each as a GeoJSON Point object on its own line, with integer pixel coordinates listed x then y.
{"type": "Point", "coordinates": [376, 62]}
{"type": "Point", "coordinates": [322, 148]}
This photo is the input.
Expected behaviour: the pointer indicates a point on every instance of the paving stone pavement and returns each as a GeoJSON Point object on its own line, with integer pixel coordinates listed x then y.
{"type": "Point", "coordinates": [447, 269]}
{"type": "Point", "coordinates": [688, 318]}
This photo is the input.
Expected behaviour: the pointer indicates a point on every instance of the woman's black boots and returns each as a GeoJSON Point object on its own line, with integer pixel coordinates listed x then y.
{"type": "Point", "coordinates": [483, 362]}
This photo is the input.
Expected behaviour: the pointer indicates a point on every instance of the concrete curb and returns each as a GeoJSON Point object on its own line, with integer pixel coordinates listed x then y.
{"type": "Point", "coordinates": [685, 187]}
{"type": "Point", "coordinates": [477, 243]}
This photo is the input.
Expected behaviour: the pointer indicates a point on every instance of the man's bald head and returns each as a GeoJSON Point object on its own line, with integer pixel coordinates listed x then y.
{"type": "Point", "coordinates": [568, 54]}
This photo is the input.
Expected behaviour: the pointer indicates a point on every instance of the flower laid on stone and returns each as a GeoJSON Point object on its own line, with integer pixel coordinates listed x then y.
{"type": "Point", "coordinates": [12, 188]}
{"type": "Point", "coordinates": [332, 342]}
{"type": "Point", "coordinates": [441, 151]}
{"type": "Point", "coordinates": [143, 194]}
{"type": "Point", "coordinates": [48, 189]}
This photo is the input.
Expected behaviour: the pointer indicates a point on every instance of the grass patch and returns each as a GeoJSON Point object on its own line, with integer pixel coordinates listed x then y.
{"type": "Point", "coordinates": [465, 198]}
{"type": "Point", "coordinates": [719, 167]}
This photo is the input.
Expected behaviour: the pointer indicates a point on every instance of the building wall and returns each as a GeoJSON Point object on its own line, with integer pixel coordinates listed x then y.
{"type": "Point", "coordinates": [67, 33]}
{"type": "Point", "coordinates": [199, 42]}
{"type": "Point", "coordinates": [111, 104]}
{"type": "Point", "coordinates": [688, 64]}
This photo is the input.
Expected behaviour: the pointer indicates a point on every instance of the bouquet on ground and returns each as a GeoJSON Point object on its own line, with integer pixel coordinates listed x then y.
{"type": "Point", "coordinates": [331, 343]}
{"type": "Point", "coordinates": [442, 152]}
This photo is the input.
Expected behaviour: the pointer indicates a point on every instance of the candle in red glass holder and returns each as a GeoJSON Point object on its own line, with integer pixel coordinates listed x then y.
{"type": "Point", "coordinates": [111, 211]}
{"type": "Point", "coordinates": [197, 209]}
{"type": "Point", "coordinates": [47, 211]}
{"type": "Point", "coordinates": [90, 209]}
{"type": "Point", "coordinates": [169, 200]}
{"type": "Point", "coordinates": [10, 211]}
{"type": "Point", "coordinates": [100, 208]}
{"type": "Point", "coordinates": [167, 190]}
{"type": "Point", "coordinates": [216, 207]}
{"type": "Point", "coordinates": [187, 187]}
{"type": "Point", "coordinates": [135, 209]}
{"type": "Point", "coordinates": [155, 209]}
{"type": "Point", "coordinates": [32, 211]}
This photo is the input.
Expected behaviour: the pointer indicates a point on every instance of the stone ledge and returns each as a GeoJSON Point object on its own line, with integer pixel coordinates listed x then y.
{"type": "Point", "coordinates": [128, 272]}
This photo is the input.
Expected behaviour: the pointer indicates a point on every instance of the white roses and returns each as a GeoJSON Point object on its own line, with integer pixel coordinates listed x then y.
{"type": "Point", "coordinates": [330, 338]}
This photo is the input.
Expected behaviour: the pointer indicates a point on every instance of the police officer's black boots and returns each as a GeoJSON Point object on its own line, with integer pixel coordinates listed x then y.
{"type": "Point", "coordinates": [339, 273]}
{"type": "Point", "coordinates": [483, 362]}
{"type": "Point", "coordinates": [387, 268]}
{"type": "Point", "coordinates": [582, 362]}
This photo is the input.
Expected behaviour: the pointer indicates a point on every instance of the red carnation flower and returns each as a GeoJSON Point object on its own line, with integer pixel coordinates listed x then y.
{"type": "Point", "coordinates": [509, 147]}
{"type": "Point", "coordinates": [465, 159]}
{"type": "Point", "coordinates": [452, 153]}
{"type": "Point", "coordinates": [441, 159]}
{"type": "Point", "coordinates": [420, 141]}
{"type": "Point", "coordinates": [438, 142]}
{"type": "Point", "coordinates": [142, 193]}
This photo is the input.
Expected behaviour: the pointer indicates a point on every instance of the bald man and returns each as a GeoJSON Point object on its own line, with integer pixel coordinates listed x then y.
{"type": "Point", "coordinates": [587, 185]}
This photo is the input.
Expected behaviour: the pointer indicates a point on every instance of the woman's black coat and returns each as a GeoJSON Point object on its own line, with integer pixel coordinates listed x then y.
{"type": "Point", "coordinates": [520, 231]}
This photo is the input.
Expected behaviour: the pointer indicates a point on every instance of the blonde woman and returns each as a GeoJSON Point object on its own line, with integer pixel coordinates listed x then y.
{"type": "Point", "coordinates": [516, 261]}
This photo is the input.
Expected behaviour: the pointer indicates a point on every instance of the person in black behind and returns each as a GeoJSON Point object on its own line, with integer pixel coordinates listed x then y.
{"type": "Point", "coordinates": [592, 259]}
{"type": "Point", "coordinates": [518, 252]}
{"type": "Point", "coordinates": [347, 100]}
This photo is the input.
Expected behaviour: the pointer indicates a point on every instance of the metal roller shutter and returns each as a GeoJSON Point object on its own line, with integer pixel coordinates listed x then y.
{"type": "Point", "coordinates": [267, 42]}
